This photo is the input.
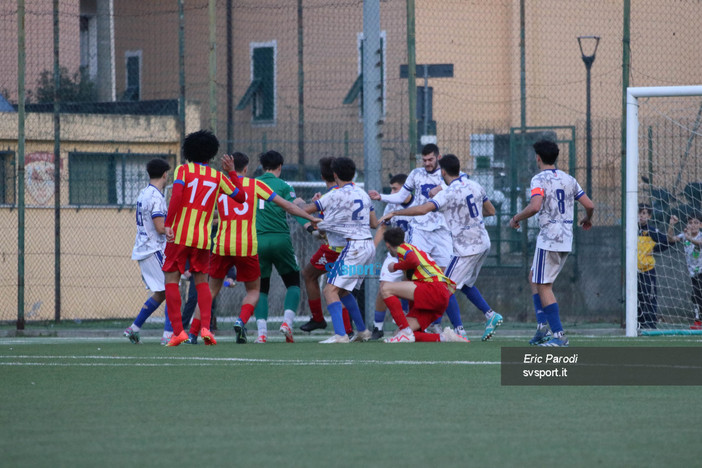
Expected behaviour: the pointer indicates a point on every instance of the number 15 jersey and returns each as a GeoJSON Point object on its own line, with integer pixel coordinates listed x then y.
{"type": "Point", "coordinates": [559, 192]}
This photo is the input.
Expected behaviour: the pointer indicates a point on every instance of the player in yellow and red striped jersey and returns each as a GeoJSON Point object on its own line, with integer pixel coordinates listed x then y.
{"type": "Point", "coordinates": [196, 188]}
{"type": "Point", "coordinates": [236, 243]}
{"type": "Point", "coordinates": [428, 289]}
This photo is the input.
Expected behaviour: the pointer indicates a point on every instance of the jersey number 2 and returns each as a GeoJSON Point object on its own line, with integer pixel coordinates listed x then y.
{"type": "Point", "coordinates": [355, 215]}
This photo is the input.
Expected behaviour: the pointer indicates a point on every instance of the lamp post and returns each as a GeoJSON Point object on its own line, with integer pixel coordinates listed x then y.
{"type": "Point", "coordinates": [590, 43]}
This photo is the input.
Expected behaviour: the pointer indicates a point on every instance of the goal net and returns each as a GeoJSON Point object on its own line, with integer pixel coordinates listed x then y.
{"type": "Point", "coordinates": [664, 210]}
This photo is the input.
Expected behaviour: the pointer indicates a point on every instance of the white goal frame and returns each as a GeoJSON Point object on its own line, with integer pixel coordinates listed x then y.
{"type": "Point", "coordinates": [632, 185]}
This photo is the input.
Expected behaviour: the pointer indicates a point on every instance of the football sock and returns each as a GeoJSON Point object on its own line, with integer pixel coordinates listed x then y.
{"type": "Point", "coordinates": [247, 311]}
{"type": "Point", "coordinates": [553, 317]}
{"type": "Point", "coordinates": [453, 312]}
{"type": "Point", "coordinates": [292, 298]}
{"type": "Point", "coordinates": [262, 325]}
{"type": "Point", "coordinates": [540, 316]}
{"type": "Point", "coordinates": [195, 326]}
{"type": "Point", "coordinates": [426, 337]}
{"type": "Point", "coordinates": [174, 302]}
{"type": "Point", "coordinates": [146, 310]}
{"type": "Point", "coordinates": [261, 310]}
{"type": "Point", "coordinates": [167, 328]}
{"type": "Point", "coordinates": [437, 321]}
{"type": "Point", "coordinates": [476, 298]}
{"type": "Point", "coordinates": [336, 318]}
{"type": "Point", "coordinates": [204, 300]}
{"type": "Point", "coordinates": [405, 305]}
{"type": "Point", "coordinates": [350, 302]}
{"type": "Point", "coordinates": [316, 309]}
{"type": "Point", "coordinates": [379, 319]}
{"type": "Point", "coordinates": [395, 308]}
{"type": "Point", "coordinates": [289, 317]}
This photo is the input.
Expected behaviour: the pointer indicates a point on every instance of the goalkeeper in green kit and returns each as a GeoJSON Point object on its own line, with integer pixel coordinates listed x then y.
{"type": "Point", "coordinates": [275, 248]}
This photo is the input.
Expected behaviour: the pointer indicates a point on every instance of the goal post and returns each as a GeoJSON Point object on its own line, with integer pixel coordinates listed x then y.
{"type": "Point", "coordinates": [634, 94]}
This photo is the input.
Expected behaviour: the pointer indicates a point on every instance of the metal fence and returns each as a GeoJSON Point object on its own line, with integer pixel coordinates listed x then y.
{"type": "Point", "coordinates": [107, 85]}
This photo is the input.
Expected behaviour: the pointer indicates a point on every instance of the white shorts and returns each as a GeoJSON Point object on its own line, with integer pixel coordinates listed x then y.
{"type": "Point", "coordinates": [355, 262]}
{"type": "Point", "coordinates": [464, 270]}
{"type": "Point", "coordinates": [438, 244]}
{"type": "Point", "coordinates": [547, 264]}
{"type": "Point", "coordinates": [151, 272]}
{"type": "Point", "coordinates": [386, 275]}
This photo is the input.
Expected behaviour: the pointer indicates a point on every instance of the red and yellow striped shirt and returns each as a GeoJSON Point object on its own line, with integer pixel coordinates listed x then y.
{"type": "Point", "coordinates": [202, 185]}
{"type": "Point", "coordinates": [425, 269]}
{"type": "Point", "coordinates": [237, 221]}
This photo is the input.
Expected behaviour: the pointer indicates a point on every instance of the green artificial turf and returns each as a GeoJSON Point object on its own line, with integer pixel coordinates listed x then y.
{"type": "Point", "coordinates": [105, 402]}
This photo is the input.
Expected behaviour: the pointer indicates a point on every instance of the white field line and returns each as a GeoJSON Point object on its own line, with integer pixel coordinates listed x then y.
{"type": "Point", "coordinates": [112, 361]}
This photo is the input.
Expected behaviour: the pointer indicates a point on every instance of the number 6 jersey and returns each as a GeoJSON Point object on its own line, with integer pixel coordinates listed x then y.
{"type": "Point", "coordinates": [559, 192]}
{"type": "Point", "coordinates": [462, 205]}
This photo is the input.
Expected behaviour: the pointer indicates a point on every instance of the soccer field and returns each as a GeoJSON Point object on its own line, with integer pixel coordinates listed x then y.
{"type": "Point", "coordinates": [105, 402]}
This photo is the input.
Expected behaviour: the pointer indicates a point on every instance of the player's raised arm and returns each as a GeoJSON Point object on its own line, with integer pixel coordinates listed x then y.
{"type": "Point", "coordinates": [237, 195]}
{"type": "Point", "coordinates": [295, 210]}
{"type": "Point", "coordinates": [398, 197]}
{"type": "Point", "coordinates": [417, 210]}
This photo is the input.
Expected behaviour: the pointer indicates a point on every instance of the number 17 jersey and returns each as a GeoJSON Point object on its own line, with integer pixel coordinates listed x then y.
{"type": "Point", "coordinates": [559, 192]}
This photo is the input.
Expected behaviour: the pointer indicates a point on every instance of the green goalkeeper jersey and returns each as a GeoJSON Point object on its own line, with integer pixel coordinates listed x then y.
{"type": "Point", "coordinates": [271, 219]}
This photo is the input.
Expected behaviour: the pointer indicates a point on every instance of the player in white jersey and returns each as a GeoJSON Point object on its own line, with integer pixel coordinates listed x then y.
{"type": "Point", "coordinates": [349, 215]}
{"type": "Point", "coordinates": [149, 245]}
{"type": "Point", "coordinates": [691, 237]}
{"type": "Point", "coordinates": [463, 203]}
{"type": "Point", "coordinates": [404, 223]}
{"type": "Point", "coordinates": [429, 232]}
{"type": "Point", "coordinates": [553, 195]}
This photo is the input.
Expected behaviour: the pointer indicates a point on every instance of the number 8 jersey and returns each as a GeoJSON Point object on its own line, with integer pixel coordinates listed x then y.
{"type": "Point", "coordinates": [559, 192]}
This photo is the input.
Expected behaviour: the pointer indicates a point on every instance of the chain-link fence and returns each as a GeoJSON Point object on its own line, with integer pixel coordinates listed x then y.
{"type": "Point", "coordinates": [134, 77]}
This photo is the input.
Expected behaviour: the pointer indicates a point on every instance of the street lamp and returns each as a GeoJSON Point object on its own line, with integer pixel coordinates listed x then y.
{"type": "Point", "coordinates": [590, 43]}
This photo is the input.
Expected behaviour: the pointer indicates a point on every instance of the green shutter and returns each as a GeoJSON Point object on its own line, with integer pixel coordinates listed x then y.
{"type": "Point", "coordinates": [355, 90]}
{"type": "Point", "coordinates": [263, 70]}
{"type": "Point", "coordinates": [249, 94]}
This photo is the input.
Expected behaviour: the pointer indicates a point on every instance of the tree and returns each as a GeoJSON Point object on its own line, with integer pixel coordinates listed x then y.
{"type": "Point", "coordinates": [76, 88]}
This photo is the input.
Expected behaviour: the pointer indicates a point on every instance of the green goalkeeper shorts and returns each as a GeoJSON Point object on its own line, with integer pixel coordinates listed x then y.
{"type": "Point", "coordinates": [276, 250]}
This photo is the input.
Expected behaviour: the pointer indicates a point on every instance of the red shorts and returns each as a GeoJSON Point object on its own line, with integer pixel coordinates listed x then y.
{"type": "Point", "coordinates": [247, 268]}
{"type": "Point", "coordinates": [177, 256]}
{"type": "Point", "coordinates": [430, 302]}
{"type": "Point", "coordinates": [322, 256]}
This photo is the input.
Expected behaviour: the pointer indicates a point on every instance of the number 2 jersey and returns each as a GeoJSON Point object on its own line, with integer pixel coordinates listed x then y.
{"type": "Point", "coordinates": [462, 205]}
{"type": "Point", "coordinates": [559, 192]}
{"type": "Point", "coordinates": [346, 213]}
{"type": "Point", "coordinates": [150, 204]}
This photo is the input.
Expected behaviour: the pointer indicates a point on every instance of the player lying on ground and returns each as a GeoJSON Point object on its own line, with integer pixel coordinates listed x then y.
{"type": "Point", "coordinates": [429, 290]}
{"type": "Point", "coordinates": [463, 203]}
